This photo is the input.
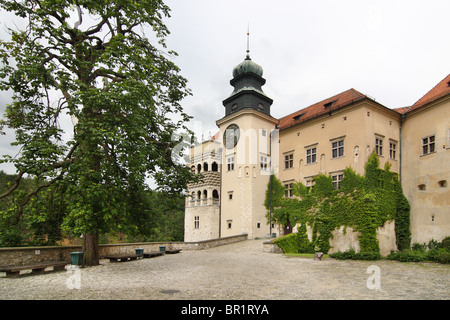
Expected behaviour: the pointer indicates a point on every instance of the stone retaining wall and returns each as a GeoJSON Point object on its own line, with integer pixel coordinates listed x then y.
{"type": "Point", "coordinates": [29, 255]}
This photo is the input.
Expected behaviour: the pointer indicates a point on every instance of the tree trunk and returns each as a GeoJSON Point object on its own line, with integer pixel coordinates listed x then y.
{"type": "Point", "coordinates": [91, 249]}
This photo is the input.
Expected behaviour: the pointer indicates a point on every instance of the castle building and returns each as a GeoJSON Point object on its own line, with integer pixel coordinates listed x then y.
{"type": "Point", "coordinates": [324, 138]}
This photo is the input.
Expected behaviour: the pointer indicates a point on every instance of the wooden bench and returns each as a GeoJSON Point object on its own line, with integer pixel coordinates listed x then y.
{"type": "Point", "coordinates": [173, 251]}
{"type": "Point", "coordinates": [153, 254]}
{"type": "Point", "coordinates": [37, 268]}
{"type": "Point", "coordinates": [123, 257]}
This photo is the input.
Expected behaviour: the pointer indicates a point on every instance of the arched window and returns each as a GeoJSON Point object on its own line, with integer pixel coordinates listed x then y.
{"type": "Point", "coordinates": [214, 166]}
{"type": "Point", "coordinates": [199, 195]}
{"type": "Point", "coordinates": [205, 166]}
{"type": "Point", "coordinates": [193, 169]}
{"type": "Point", "coordinates": [205, 194]}
{"type": "Point", "coordinates": [199, 168]}
{"type": "Point", "coordinates": [215, 194]}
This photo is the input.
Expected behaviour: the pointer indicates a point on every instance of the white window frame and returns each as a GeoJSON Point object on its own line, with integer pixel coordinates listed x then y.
{"type": "Point", "coordinates": [264, 162]}
{"type": "Point", "coordinates": [196, 222]}
{"type": "Point", "coordinates": [338, 148]}
{"type": "Point", "coordinates": [337, 180]}
{"type": "Point", "coordinates": [393, 150]}
{"type": "Point", "coordinates": [288, 188]}
{"type": "Point", "coordinates": [311, 155]}
{"type": "Point", "coordinates": [426, 143]}
{"type": "Point", "coordinates": [379, 145]}
{"type": "Point", "coordinates": [230, 163]}
{"type": "Point", "coordinates": [288, 160]}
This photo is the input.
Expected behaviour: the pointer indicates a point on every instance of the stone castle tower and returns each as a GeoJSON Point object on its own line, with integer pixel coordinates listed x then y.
{"type": "Point", "coordinates": [235, 164]}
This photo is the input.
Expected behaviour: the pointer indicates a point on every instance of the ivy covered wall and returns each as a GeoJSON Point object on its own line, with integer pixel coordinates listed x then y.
{"type": "Point", "coordinates": [363, 203]}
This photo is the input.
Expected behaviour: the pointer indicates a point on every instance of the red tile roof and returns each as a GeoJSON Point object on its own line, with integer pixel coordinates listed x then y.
{"type": "Point", "coordinates": [216, 136]}
{"type": "Point", "coordinates": [440, 90]}
{"type": "Point", "coordinates": [320, 108]}
{"type": "Point", "coordinates": [402, 109]}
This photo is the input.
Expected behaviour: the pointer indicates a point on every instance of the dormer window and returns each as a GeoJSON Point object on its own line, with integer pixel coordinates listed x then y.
{"type": "Point", "coordinates": [234, 107]}
{"type": "Point", "coordinates": [297, 117]}
{"type": "Point", "coordinates": [329, 104]}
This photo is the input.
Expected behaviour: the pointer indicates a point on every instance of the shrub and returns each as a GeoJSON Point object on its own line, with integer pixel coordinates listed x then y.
{"type": "Point", "coordinates": [443, 256]}
{"type": "Point", "coordinates": [367, 256]}
{"type": "Point", "coordinates": [351, 254]}
{"type": "Point", "coordinates": [407, 256]}
{"type": "Point", "coordinates": [434, 251]}
{"type": "Point", "coordinates": [446, 243]}
{"type": "Point", "coordinates": [288, 243]}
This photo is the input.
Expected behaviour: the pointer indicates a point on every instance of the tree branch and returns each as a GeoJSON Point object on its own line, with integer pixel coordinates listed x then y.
{"type": "Point", "coordinates": [67, 160]}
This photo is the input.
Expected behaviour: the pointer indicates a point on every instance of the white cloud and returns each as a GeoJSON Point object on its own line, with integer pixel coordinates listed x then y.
{"type": "Point", "coordinates": [394, 51]}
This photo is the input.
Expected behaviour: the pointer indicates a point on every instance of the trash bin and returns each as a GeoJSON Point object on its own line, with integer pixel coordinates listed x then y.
{"type": "Point", "coordinates": [77, 258]}
{"type": "Point", "coordinates": [139, 251]}
{"type": "Point", "coordinates": [162, 248]}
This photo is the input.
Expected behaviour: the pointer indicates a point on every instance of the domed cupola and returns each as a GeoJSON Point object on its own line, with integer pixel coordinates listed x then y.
{"type": "Point", "coordinates": [247, 94]}
{"type": "Point", "coordinates": [247, 66]}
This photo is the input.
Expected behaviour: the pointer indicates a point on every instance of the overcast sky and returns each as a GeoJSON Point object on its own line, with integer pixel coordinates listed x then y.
{"type": "Point", "coordinates": [393, 51]}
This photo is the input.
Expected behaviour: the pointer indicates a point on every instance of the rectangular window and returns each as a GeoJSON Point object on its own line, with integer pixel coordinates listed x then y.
{"type": "Point", "coordinates": [230, 163]}
{"type": "Point", "coordinates": [337, 181]}
{"type": "Point", "coordinates": [392, 150]}
{"type": "Point", "coordinates": [289, 161]}
{"type": "Point", "coordinates": [263, 162]}
{"type": "Point", "coordinates": [428, 144]}
{"type": "Point", "coordinates": [379, 146]}
{"type": "Point", "coordinates": [288, 190]}
{"type": "Point", "coordinates": [196, 222]}
{"type": "Point", "coordinates": [311, 156]}
{"type": "Point", "coordinates": [337, 149]}
{"type": "Point", "coordinates": [309, 182]}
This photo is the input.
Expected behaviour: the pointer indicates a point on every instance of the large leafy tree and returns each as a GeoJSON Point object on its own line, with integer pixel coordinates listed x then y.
{"type": "Point", "coordinates": [93, 61]}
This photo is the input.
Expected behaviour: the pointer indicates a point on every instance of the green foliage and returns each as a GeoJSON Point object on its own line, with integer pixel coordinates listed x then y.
{"type": "Point", "coordinates": [402, 220]}
{"type": "Point", "coordinates": [351, 254]}
{"type": "Point", "coordinates": [434, 251]}
{"type": "Point", "coordinates": [120, 85]}
{"type": "Point", "coordinates": [146, 215]}
{"type": "Point", "coordinates": [289, 243]}
{"type": "Point", "coordinates": [363, 203]}
{"type": "Point", "coordinates": [274, 196]}
{"type": "Point", "coordinates": [304, 245]}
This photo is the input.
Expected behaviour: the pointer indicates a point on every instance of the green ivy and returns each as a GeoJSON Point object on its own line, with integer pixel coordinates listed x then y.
{"type": "Point", "coordinates": [363, 203]}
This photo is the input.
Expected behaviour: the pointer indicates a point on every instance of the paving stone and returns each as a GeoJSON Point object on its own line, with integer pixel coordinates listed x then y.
{"type": "Point", "coordinates": [239, 271]}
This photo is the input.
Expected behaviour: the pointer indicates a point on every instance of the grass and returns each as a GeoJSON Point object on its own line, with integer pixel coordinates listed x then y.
{"type": "Point", "coordinates": [304, 255]}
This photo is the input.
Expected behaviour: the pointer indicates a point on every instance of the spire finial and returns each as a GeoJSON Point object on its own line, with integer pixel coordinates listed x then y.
{"type": "Point", "coordinates": [248, 41]}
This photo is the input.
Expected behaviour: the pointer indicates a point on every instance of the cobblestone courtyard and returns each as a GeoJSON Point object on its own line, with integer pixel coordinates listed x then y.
{"type": "Point", "coordinates": [240, 271]}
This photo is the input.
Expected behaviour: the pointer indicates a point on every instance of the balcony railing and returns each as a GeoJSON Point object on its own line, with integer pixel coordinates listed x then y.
{"type": "Point", "coordinates": [203, 202]}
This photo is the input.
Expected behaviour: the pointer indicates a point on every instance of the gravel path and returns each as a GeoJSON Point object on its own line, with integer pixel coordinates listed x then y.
{"type": "Point", "coordinates": [240, 271]}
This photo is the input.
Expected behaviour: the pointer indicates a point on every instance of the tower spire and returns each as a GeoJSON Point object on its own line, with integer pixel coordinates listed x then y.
{"type": "Point", "coordinates": [248, 42]}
